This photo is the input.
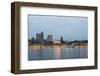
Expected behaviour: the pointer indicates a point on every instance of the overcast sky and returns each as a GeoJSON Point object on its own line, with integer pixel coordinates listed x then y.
{"type": "Point", "coordinates": [71, 28]}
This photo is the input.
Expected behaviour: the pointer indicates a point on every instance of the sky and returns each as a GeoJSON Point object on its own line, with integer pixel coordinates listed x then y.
{"type": "Point", "coordinates": [70, 27]}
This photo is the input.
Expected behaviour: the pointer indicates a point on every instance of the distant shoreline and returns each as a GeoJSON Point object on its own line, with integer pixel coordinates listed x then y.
{"type": "Point", "coordinates": [58, 46]}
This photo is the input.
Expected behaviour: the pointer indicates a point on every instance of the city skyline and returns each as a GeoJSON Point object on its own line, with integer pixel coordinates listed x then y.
{"type": "Point", "coordinates": [71, 28]}
{"type": "Point", "coordinates": [39, 37]}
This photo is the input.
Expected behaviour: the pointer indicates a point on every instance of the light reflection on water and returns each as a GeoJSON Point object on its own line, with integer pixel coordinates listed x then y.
{"type": "Point", "coordinates": [56, 53]}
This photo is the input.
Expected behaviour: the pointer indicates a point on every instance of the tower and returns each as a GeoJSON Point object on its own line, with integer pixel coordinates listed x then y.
{"type": "Point", "coordinates": [42, 36]}
{"type": "Point", "coordinates": [61, 39]}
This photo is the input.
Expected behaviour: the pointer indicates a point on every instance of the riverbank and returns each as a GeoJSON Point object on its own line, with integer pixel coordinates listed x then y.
{"type": "Point", "coordinates": [58, 46]}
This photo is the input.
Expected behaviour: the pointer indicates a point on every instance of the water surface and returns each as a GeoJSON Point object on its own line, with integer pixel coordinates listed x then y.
{"type": "Point", "coordinates": [56, 53]}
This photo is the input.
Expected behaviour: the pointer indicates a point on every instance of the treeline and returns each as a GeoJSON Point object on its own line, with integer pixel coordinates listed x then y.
{"type": "Point", "coordinates": [78, 41]}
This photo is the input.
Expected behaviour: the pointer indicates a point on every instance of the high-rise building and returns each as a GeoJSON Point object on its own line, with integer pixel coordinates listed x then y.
{"type": "Point", "coordinates": [61, 39]}
{"type": "Point", "coordinates": [50, 38]}
{"type": "Point", "coordinates": [40, 37]}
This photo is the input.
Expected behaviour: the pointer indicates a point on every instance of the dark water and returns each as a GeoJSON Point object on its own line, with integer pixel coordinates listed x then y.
{"type": "Point", "coordinates": [56, 53]}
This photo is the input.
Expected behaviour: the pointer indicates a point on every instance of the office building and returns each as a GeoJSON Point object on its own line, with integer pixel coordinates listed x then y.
{"type": "Point", "coordinates": [50, 38]}
{"type": "Point", "coordinates": [40, 37]}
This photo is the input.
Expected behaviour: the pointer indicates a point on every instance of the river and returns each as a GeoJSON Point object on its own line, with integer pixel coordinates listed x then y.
{"type": "Point", "coordinates": [56, 53]}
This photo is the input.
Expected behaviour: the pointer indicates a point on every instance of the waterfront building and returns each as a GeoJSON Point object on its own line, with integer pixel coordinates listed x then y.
{"type": "Point", "coordinates": [50, 38]}
{"type": "Point", "coordinates": [40, 37]}
{"type": "Point", "coordinates": [61, 40]}
{"type": "Point", "coordinates": [57, 42]}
